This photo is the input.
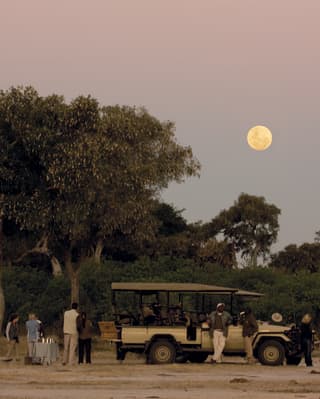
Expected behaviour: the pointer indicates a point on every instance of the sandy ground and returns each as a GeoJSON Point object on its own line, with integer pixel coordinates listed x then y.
{"type": "Point", "coordinates": [133, 379]}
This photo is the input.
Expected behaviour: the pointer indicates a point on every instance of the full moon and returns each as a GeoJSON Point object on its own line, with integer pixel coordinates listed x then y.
{"type": "Point", "coordinates": [259, 138]}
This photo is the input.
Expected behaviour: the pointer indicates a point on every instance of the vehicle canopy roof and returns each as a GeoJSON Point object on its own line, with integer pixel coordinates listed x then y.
{"type": "Point", "coordinates": [143, 288]}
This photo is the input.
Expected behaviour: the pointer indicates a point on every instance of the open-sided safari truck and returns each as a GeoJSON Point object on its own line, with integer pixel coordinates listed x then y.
{"type": "Point", "coordinates": [168, 322]}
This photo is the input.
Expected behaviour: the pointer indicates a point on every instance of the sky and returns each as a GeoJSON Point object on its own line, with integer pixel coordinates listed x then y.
{"type": "Point", "coordinates": [214, 67]}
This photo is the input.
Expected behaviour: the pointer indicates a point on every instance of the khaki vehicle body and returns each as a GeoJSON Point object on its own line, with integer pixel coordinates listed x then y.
{"type": "Point", "coordinates": [186, 338]}
{"type": "Point", "coordinates": [137, 334]}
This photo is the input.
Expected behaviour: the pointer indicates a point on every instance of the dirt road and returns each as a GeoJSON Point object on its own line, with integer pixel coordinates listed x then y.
{"type": "Point", "coordinates": [108, 379]}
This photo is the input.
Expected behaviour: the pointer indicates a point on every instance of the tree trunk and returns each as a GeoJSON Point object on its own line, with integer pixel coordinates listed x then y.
{"type": "Point", "coordinates": [98, 251]}
{"type": "Point", "coordinates": [254, 256]}
{"type": "Point", "coordinates": [56, 266]}
{"type": "Point", "coordinates": [234, 257]}
{"type": "Point", "coordinates": [2, 301]}
{"type": "Point", "coordinates": [41, 247]}
{"type": "Point", "coordinates": [73, 274]}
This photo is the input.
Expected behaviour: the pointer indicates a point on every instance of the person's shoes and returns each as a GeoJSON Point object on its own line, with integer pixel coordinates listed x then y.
{"type": "Point", "coordinates": [212, 361]}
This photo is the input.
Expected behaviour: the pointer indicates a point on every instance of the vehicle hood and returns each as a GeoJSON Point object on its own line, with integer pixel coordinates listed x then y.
{"type": "Point", "coordinates": [266, 327]}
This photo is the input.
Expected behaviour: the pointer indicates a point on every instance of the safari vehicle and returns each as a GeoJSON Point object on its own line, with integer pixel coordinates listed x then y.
{"type": "Point", "coordinates": [168, 323]}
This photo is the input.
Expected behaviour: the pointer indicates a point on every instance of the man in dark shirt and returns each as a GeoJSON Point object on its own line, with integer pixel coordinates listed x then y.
{"type": "Point", "coordinates": [306, 338]}
{"type": "Point", "coordinates": [249, 328]}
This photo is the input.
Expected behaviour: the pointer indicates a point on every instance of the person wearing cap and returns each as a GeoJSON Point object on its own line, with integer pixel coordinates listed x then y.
{"type": "Point", "coordinates": [249, 328]}
{"type": "Point", "coordinates": [306, 338]}
{"type": "Point", "coordinates": [219, 321]}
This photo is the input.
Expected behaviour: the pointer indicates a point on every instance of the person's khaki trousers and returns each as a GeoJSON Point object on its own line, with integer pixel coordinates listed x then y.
{"type": "Point", "coordinates": [70, 347]}
{"type": "Point", "coordinates": [219, 341]}
{"type": "Point", "coordinates": [31, 348]}
{"type": "Point", "coordinates": [248, 348]}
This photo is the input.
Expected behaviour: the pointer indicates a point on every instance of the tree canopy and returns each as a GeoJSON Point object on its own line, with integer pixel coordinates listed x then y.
{"type": "Point", "coordinates": [76, 173]}
{"type": "Point", "coordinates": [250, 225]}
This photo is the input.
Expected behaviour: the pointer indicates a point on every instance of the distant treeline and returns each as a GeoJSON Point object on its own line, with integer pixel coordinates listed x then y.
{"type": "Point", "coordinates": [31, 289]}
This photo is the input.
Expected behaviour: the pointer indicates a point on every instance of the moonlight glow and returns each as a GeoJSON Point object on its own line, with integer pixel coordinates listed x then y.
{"type": "Point", "coordinates": [259, 138]}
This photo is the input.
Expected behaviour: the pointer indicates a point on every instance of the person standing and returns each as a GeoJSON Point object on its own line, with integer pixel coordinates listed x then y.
{"type": "Point", "coordinates": [249, 328]}
{"type": "Point", "coordinates": [33, 330]}
{"type": "Point", "coordinates": [219, 321]}
{"type": "Point", "coordinates": [306, 338]}
{"type": "Point", "coordinates": [85, 337]}
{"type": "Point", "coordinates": [70, 333]}
{"type": "Point", "coordinates": [12, 335]}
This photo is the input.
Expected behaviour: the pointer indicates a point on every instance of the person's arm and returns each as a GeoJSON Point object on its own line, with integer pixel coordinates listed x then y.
{"type": "Point", "coordinates": [8, 331]}
{"type": "Point", "coordinates": [90, 325]}
{"type": "Point", "coordinates": [210, 319]}
{"type": "Point", "coordinates": [79, 323]}
{"type": "Point", "coordinates": [229, 319]}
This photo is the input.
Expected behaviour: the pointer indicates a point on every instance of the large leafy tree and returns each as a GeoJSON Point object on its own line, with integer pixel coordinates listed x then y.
{"type": "Point", "coordinates": [85, 171]}
{"type": "Point", "coordinates": [250, 226]}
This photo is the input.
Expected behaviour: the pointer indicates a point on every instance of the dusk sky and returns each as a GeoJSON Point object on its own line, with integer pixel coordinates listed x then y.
{"type": "Point", "coordinates": [214, 67]}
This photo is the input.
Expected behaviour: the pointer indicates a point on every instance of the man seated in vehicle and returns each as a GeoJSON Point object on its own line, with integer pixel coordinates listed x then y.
{"type": "Point", "coordinates": [151, 313]}
{"type": "Point", "coordinates": [177, 315]}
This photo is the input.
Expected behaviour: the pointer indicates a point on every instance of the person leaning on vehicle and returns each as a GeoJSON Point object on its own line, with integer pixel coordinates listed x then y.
{"type": "Point", "coordinates": [219, 321]}
{"type": "Point", "coordinates": [249, 328]}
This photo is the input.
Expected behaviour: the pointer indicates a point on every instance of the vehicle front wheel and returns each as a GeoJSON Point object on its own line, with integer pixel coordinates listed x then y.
{"type": "Point", "coordinates": [162, 351]}
{"type": "Point", "coordinates": [271, 353]}
{"type": "Point", "coordinates": [293, 360]}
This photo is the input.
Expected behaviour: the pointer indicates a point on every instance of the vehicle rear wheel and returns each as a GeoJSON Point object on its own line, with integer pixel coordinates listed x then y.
{"type": "Point", "coordinates": [271, 353]}
{"type": "Point", "coordinates": [162, 351]}
{"type": "Point", "coordinates": [293, 360]}
{"type": "Point", "coordinates": [198, 357]}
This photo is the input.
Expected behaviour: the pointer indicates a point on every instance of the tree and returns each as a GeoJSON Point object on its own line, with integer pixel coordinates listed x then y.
{"type": "Point", "coordinates": [170, 219]}
{"type": "Point", "coordinates": [250, 226]}
{"type": "Point", "coordinates": [173, 236]}
{"type": "Point", "coordinates": [2, 301]}
{"type": "Point", "coordinates": [317, 237]}
{"type": "Point", "coordinates": [90, 171]}
{"type": "Point", "coordinates": [219, 252]}
{"type": "Point", "coordinates": [293, 258]}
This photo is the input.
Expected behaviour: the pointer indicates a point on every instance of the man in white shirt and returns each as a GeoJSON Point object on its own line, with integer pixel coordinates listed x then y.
{"type": "Point", "coordinates": [70, 333]}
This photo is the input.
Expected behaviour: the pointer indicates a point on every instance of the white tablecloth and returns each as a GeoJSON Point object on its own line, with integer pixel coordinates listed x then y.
{"type": "Point", "coordinates": [47, 352]}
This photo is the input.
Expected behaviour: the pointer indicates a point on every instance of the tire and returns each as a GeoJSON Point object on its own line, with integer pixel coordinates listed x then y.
{"type": "Point", "coordinates": [293, 360]}
{"type": "Point", "coordinates": [198, 357]}
{"type": "Point", "coordinates": [162, 352]}
{"type": "Point", "coordinates": [271, 353]}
